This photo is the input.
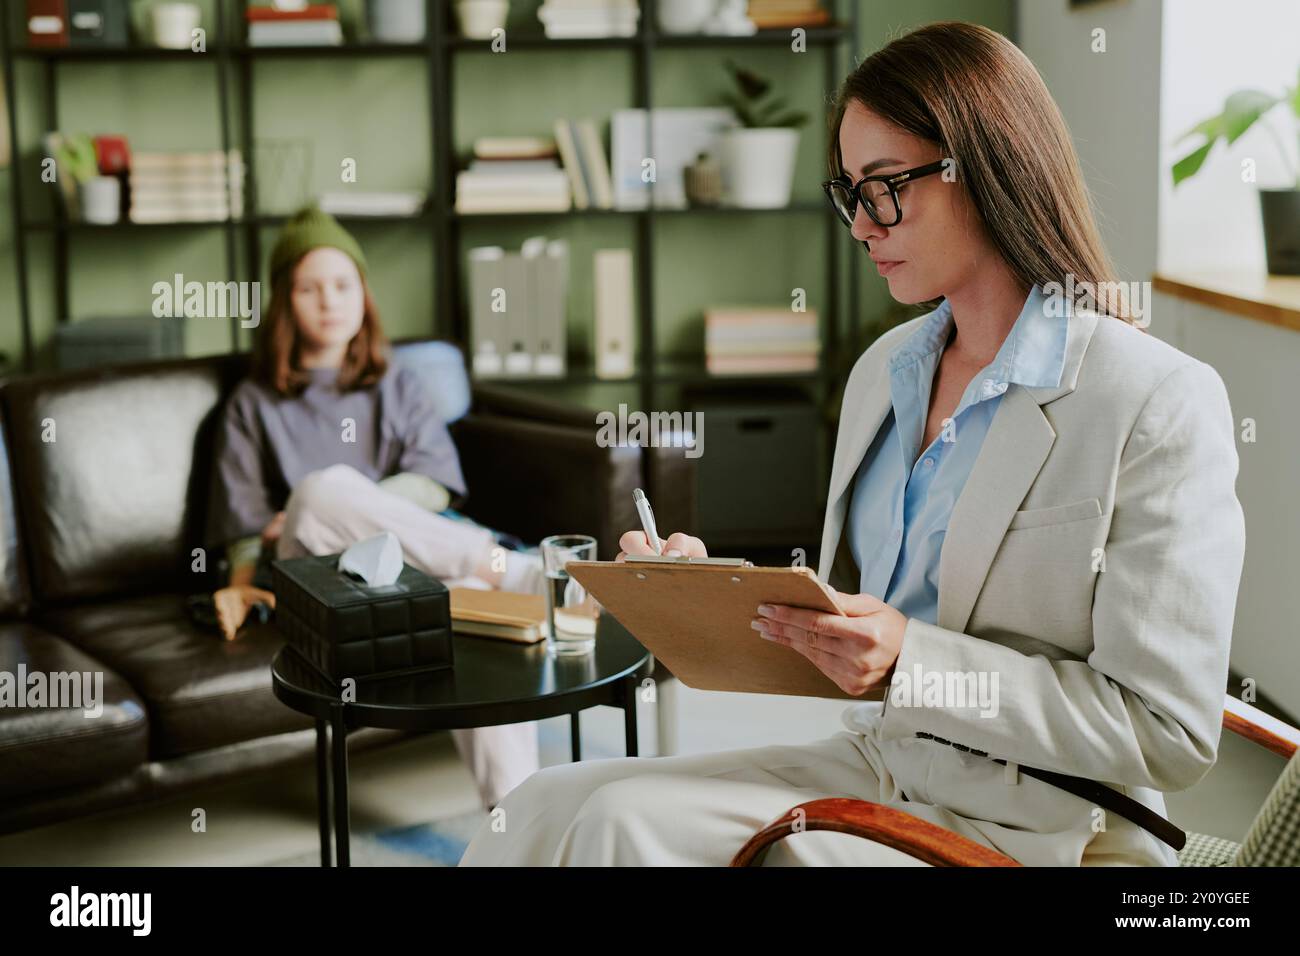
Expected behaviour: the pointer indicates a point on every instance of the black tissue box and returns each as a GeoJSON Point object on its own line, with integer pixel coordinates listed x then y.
{"type": "Point", "coordinates": [346, 628]}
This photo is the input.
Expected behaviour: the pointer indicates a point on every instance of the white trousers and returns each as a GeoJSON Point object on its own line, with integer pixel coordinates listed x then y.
{"type": "Point", "coordinates": [337, 506]}
{"type": "Point", "coordinates": [696, 810]}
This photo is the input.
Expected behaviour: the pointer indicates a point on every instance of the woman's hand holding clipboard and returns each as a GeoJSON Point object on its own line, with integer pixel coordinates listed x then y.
{"type": "Point", "coordinates": [698, 615]}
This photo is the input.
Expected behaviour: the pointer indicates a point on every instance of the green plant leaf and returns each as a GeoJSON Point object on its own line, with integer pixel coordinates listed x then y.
{"type": "Point", "coordinates": [1209, 128]}
{"type": "Point", "coordinates": [1242, 109]}
{"type": "Point", "coordinates": [751, 84]}
{"type": "Point", "coordinates": [744, 109]}
{"type": "Point", "coordinates": [1189, 164]}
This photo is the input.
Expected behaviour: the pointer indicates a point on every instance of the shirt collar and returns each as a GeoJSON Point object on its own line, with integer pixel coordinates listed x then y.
{"type": "Point", "coordinates": [1032, 354]}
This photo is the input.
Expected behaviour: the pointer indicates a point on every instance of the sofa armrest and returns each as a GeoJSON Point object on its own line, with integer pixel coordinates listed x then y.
{"type": "Point", "coordinates": [667, 474]}
{"type": "Point", "coordinates": [535, 479]}
{"type": "Point", "coordinates": [508, 402]}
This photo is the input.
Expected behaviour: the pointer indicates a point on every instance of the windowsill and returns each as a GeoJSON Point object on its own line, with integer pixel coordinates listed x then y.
{"type": "Point", "coordinates": [1264, 298]}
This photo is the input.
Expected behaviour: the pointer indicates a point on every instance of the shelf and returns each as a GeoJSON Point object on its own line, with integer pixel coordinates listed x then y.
{"type": "Point", "coordinates": [669, 372]}
{"type": "Point", "coordinates": [263, 219]}
{"type": "Point", "coordinates": [802, 206]}
{"type": "Point", "coordinates": [365, 48]}
{"type": "Point", "coordinates": [534, 41]}
{"type": "Point", "coordinates": [818, 35]}
{"type": "Point", "coordinates": [276, 219]}
{"type": "Point", "coordinates": [110, 53]}
{"type": "Point", "coordinates": [66, 225]}
{"type": "Point", "coordinates": [245, 237]}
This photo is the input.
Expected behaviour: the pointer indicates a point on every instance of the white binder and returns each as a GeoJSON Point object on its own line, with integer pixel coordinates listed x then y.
{"type": "Point", "coordinates": [487, 333]}
{"type": "Point", "coordinates": [614, 312]}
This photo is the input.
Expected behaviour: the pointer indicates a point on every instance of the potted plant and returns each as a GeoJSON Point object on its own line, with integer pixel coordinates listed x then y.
{"type": "Point", "coordinates": [758, 156]}
{"type": "Point", "coordinates": [1280, 208]}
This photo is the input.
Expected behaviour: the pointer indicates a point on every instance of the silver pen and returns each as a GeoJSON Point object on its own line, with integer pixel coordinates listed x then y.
{"type": "Point", "coordinates": [647, 519]}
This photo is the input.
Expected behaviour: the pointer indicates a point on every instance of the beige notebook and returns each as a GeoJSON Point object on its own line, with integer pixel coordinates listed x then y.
{"type": "Point", "coordinates": [695, 618]}
{"type": "Point", "coordinates": [502, 614]}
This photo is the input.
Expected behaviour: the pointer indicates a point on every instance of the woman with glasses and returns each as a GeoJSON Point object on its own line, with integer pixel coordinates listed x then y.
{"type": "Point", "coordinates": [1031, 527]}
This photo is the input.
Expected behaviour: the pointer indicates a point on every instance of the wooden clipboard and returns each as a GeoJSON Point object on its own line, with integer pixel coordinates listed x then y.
{"type": "Point", "coordinates": [695, 618]}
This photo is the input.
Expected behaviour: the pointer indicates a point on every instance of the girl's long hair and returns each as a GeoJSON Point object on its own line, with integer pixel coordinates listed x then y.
{"type": "Point", "coordinates": [276, 352]}
{"type": "Point", "coordinates": [973, 92]}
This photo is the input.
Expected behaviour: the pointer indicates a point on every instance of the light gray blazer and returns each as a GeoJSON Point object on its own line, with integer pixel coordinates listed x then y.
{"type": "Point", "coordinates": [1091, 562]}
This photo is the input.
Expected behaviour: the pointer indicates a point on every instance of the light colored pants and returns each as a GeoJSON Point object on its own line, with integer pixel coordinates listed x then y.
{"type": "Point", "coordinates": [696, 810]}
{"type": "Point", "coordinates": [337, 506]}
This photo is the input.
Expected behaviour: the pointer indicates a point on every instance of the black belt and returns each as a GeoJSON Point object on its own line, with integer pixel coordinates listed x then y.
{"type": "Point", "coordinates": [1094, 792]}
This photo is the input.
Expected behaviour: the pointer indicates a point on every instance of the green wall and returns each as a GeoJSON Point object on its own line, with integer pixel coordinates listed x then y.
{"type": "Point", "coordinates": [376, 111]}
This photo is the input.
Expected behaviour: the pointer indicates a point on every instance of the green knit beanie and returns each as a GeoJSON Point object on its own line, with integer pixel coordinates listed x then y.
{"type": "Point", "coordinates": [309, 229]}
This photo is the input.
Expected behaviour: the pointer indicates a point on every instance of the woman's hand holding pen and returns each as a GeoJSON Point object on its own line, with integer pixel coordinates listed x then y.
{"type": "Point", "coordinates": [676, 544]}
{"type": "Point", "coordinates": [857, 650]}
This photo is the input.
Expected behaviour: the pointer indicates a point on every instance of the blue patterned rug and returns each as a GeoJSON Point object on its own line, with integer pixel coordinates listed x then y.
{"type": "Point", "coordinates": [437, 843]}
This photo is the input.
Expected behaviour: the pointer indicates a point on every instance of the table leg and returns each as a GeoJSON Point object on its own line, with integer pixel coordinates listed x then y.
{"type": "Point", "coordinates": [575, 736]}
{"type": "Point", "coordinates": [323, 790]}
{"type": "Point", "coordinates": [339, 735]}
{"type": "Point", "coordinates": [629, 716]}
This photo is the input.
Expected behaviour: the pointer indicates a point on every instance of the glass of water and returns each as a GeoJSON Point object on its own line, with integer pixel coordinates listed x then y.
{"type": "Point", "coordinates": [570, 611]}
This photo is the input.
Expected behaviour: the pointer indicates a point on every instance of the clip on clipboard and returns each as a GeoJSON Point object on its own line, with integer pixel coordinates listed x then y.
{"type": "Point", "coordinates": [693, 614]}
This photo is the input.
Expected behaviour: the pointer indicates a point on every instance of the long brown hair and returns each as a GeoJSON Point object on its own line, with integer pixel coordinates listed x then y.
{"type": "Point", "coordinates": [974, 93]}
{"type": "Point", "coordinates": [276, 353]}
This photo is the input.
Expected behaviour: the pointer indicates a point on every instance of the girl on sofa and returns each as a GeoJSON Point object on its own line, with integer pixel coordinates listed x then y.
{"type": "Point", "coordinates": [325, 444]}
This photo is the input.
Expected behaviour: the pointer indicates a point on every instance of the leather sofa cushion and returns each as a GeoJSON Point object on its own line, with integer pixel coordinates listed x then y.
{"type": "Point", "coordinates": [111, 469]}
{"type": "Point", "coordinates": [45, 748]}
{"type": "Point", "coordinates": [200, 690]}
{"type": "Point", "coordinates": [13, 584]}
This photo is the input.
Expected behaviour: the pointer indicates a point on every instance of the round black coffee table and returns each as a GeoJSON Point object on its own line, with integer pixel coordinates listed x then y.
{"type": "Point", "coordinates": [493, 682]}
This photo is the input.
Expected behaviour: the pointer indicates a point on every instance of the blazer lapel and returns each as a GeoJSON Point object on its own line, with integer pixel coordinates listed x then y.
{"type": "Point", "coordinates": [1014, 450]}
{"type": "Point", "coordinates": [836, 566]}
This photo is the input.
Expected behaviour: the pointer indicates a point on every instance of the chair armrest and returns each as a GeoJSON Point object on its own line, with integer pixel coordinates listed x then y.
{"type": "Point", "coordinates": [534, 479]}
{"type": "Point", "coordinates": [1261, 728]}
{"type": "Point", "coordinates": [872, 821]}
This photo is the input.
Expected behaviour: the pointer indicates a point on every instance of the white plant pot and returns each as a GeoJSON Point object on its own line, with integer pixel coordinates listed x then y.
{"type": "Point", "coordinates": [101, 200]}
{"type": "Point", "coordinates": [684, 16]}
{"type": "Point", "coordinates": [758, 166]}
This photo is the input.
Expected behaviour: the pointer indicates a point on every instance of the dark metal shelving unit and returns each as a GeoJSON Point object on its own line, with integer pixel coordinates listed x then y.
{"type": "Point", "coordinates": [234, 61]}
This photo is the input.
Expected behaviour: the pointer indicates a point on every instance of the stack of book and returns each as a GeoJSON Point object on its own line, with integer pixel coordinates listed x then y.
{"type": "Point", "coordinates": [314, 25]}
{"type": "Point", "coordinates": [746, 340]}
{"type": "Point", "coordinates": [513, 174]}
{"type": "Point", "coordinates": [186, 187]}
{"type": "Point", "coordinates": [786, 14]}
{"type": "Point", "coordinates": [566, 19]}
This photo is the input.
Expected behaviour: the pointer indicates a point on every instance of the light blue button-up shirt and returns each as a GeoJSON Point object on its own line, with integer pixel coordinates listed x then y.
{"type": "Point", "coordinates": [901, 501]}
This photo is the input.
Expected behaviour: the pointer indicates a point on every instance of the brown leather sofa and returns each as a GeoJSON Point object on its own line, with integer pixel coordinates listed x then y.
{"type": "Point", "coordinates": [104, 476]}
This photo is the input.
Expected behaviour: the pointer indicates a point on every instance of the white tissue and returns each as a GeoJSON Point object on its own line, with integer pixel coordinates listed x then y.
{"type": "Point", "coordinates": [377, 560]}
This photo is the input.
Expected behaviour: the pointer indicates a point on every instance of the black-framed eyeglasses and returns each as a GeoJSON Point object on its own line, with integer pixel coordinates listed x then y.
{"type": "Point", "coordinates": [878, 194]}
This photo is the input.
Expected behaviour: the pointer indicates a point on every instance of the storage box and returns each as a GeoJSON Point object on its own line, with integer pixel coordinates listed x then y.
{"type": "Point", "coordinates": [758, 481]}
{"type": "Point", "coordinates": [345, 628]}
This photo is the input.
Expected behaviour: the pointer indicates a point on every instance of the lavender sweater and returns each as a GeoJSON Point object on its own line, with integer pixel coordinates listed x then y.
{"type": "Point", "coordinates": [267, 442]}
